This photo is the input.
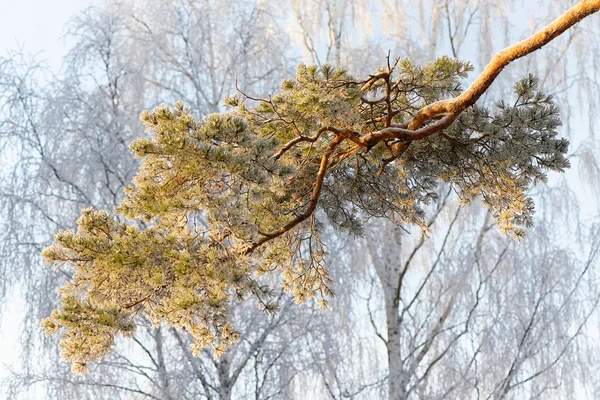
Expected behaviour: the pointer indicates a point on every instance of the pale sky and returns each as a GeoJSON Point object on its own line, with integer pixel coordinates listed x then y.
{"type": "Point", "coordinates": [38, 26]}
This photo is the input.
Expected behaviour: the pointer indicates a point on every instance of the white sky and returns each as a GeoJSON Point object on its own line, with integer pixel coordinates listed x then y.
{"type": "Point", "coordinates": [37, 25]}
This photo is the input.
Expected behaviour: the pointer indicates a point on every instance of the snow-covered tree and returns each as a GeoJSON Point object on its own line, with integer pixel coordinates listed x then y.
{"type": "Point", "coordinates": [150, 51]}
{"type": "Point", "coordinates": [66, 144]}
{"type": "Point", "coordinates": [231, 197]}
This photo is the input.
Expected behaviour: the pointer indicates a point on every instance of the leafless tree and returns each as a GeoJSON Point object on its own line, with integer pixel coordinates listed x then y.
{"type": "Point", "coordinates": [466, 314]}
{"type": "Point", "coordinates": [427, 330]}
{"type": "Point", "coordinates": [67, 139]}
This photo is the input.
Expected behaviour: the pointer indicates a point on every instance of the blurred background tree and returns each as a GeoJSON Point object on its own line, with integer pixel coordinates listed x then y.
{"type": "Point", "coordinates": [524, 317]}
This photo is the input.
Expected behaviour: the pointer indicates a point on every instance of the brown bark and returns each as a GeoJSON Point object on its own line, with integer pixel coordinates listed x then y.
{"type": "Point", "coordinates": [444, 112]}
{"type": "Point", "coordinates": [452, 108]}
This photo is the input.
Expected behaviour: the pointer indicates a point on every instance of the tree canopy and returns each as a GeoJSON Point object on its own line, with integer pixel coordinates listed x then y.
{"type": "Point", "coordinates": [221, 201]}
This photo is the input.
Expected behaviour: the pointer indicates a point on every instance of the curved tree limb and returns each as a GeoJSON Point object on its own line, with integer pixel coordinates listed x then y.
{"type": "Point", "coordinates": [453, 107]}
{"type": "Point", "coordinates": [444, 112]}
{"type": "Point", "coordinates": [450, 109]}
{"type": "Point", "coordinates": [312, 205]}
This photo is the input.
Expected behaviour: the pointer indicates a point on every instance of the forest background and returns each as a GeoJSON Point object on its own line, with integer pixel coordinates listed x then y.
{"type": "Point", "coordinates": [528, 312]}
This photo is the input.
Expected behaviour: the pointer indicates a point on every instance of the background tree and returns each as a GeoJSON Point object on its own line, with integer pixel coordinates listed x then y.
{"type": "Point", "coordinates": [236, 169]}
{"type": "Point", "coordinates": [72, 138]}
{"type": "Point", "coordinates": [342, 300]}
{"type": "Point", "coordinates": [554, 201]}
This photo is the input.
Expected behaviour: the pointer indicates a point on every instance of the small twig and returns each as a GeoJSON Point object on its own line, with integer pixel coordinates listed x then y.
{"type": "Point", "coordinates": [314, 198]}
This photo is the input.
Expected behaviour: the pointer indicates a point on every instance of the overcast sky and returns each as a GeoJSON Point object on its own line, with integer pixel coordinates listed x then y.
{"type": "Point", "coordinates": [37, 26]}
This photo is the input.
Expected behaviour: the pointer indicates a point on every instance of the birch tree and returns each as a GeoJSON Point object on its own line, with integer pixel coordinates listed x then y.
{"type": "Point", "coordinates": [259, 173]}
{"type": "Point", "coordinates": [72, 137]}
{"type": "Point", "coordinates": [169, 77]}
{"type": "Point", "coordinates": [487, 317]}
{"type": "Point", "coordinates": [451, 22]}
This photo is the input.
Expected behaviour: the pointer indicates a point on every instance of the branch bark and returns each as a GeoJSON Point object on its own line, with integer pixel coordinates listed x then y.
{"type": "Point", "coordinates": [450, 109]}
{"type": "Point", "coordinates": [444, 112]}
{"type": "Point", "coordinates": [314, 199]}
{"type": "Point", "coordinates": [453, 107]}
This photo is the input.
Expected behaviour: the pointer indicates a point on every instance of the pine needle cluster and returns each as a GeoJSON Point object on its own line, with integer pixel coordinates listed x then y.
{"type": "Point", "coordinates": [220, 201]}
